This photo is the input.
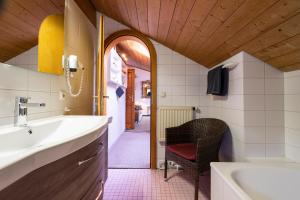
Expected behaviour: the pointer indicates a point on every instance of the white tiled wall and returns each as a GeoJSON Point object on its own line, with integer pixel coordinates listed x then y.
{"type": "Point", "coordinates": [16, 81]}
{"type": "Point", "coordinates": [264, 104]}
{"type": "Point", "coordinates": [253, 110]}
{"type": "Point", "coordinates": [292, 114]}
{"type": "Point", "coordinates": [231, 110]}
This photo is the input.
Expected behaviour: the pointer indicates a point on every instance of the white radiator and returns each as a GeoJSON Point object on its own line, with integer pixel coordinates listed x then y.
{"type": "Point", "coordinates": [169, 116]}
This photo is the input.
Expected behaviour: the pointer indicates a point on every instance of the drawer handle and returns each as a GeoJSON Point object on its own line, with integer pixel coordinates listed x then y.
{"type": "Point", "coordinates": [100, 192]}
{"type": "Point", "coordinates": [91, 158]}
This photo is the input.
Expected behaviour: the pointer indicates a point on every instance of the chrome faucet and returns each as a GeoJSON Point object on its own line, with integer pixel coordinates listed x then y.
{"type": "Point", "coordinates": [21, 106]}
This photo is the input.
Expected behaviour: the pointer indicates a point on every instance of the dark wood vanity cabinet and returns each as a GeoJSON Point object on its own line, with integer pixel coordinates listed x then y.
{"type": "Point", "coordinates": [78, 176]}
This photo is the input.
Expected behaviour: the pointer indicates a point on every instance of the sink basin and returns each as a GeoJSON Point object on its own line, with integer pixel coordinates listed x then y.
{"type": "Point", "coordinates": [45, 132]}
{"type": "Point", "coordinates": [50, 139]}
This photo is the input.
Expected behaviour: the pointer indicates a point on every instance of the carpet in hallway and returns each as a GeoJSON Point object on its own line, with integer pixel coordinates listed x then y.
{"type": "Point", "coordinates": [131, 150]}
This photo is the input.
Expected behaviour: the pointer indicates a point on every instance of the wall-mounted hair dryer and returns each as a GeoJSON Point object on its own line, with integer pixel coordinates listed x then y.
{"type": "Point", "coordinates": [71, 65]}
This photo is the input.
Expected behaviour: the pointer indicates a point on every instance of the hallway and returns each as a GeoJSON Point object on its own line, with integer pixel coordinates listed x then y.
{"type": "Point", "coordinates": [132, 149]}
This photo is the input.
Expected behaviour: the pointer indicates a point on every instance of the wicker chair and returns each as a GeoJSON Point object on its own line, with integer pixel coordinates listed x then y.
{"type": "Point", "coordinates": [193, 145]}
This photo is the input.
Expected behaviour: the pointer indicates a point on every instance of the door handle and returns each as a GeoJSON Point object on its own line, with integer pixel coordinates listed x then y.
{"type": "Point", "coordinates": [82, 162]}
{"type": "Point", "coordinates": [105, 97]}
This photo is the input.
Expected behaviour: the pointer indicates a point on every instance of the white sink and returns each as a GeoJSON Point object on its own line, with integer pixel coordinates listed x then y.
{"type": "Point", "coordinates": [50, 140]}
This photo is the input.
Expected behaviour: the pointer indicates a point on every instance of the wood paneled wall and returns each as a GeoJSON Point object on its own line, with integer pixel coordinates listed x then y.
{"type": "Point", "coordinates": [210, 31]}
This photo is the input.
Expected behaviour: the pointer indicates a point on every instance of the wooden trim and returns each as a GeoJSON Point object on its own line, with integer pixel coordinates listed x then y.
{"type": "Point", "coordinates": [100, 67]}
{"type": "Point", "coordinates": [153, 64]}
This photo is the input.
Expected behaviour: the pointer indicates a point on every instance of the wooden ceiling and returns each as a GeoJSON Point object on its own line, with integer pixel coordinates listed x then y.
{"type": "Point", "coordinates": [210, 31]}
{"type": "Point", "coordinates": [133, 57]}
{"type": "Point", "coordinates": [19, 24]}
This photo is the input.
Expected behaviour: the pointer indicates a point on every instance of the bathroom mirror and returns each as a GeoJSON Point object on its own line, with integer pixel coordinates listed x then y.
{"type": "Point", "coordinates": [32, 35]}
{"type": "Point", "coordinates": [146, 89]}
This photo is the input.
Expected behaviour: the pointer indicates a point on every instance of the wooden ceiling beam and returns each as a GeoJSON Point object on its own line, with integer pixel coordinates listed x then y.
{"type": "Point", "coordinates": [153, 17]}
{"type": "Point", "coordinates": [142, 14]}
{"type": "Point", "coordinates": [180, 16]}
{"type": "Point", "coordinates": [238, 20]}
{"type": "Point", "coordinates": [221, 11]}
{"type": "Point", "coordinates": [272, 17]}
{"type": "Point", "coordinates": [167, 8]}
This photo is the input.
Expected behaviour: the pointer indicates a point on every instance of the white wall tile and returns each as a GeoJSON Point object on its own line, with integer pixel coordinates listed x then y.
{"type": "Point", "coordinates": [178, 100]}
{"type": "Point", "coordinates": [275, 118]}
{"type": "Point", "coordinates": [275, 150]}
{"type": "Point", "coordinates": [193, 69]}
{"type": "Point", "coordinates": [193, 90]}
{"type": "Point", "coordinates": [6, 120]}
{"type": "Point", "coordinates": [178, 80]}
{"type": "Point", "coordinates": [255, 134]}
{"type": "Point", "coordinates": [7, 101]}
{"type": "Point", "coordinates": [292, 120]}
{"type": "Point", "coordinates": [254, 102]}
{"type": "Point", "coordinates": [178, 59]}
{"type": "Point", "coordinates": [164, 59]}
{"type": "Point", "coordinates": [164, 69]}
{"type": "Point", "coordinates": [272, 72]}
{"type": "Point", "coordinates": [254, 86]}
{"type": "Point", "coordinates": [274, 86]}
{"type": "Point", "coordinates": [192, 100]}
{"type": "Point", "coordinates": [178, 90]}
{"type": "Point", "coordinates": [292, 137]}
{"type": "Point", "coordinates": [275, 134]}
{"type": "Point", "coordinates": [178, 69]}
{"type": "Point", "coordinates": [164, 80]}
{"type": "Point", "coordinates": [236, 86]}
{"type": "Point", "coordinates": [292, 114]}
{"type": "Point", "coordinates": [274, 102]}
{"type": "Point", "coordinates": [193, 80]}
{"type": "Point", "coordinates": [39, 81]}
{"type": "Point", "coordinates": [254, 118]}
{"type": "Point", "coordinates": [291, 102]}
{"type": "Point", "coordinates": [255, 150]}
{"type": "Point", "coordinates": [291, 85]}
{"type": "Point", "coordinates": [292, 152]}
{"type": "Point", "coordinates": [254, 69]}
{"type": "Point", "coordinates": [12, 77]}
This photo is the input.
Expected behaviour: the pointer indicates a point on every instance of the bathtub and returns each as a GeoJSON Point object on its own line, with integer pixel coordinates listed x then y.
{"type": "Point", "coordinates": [255, 181]}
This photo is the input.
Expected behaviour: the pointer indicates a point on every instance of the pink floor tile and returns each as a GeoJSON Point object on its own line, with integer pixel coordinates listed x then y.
{"type": "Point", "coordinates": [146, 184]}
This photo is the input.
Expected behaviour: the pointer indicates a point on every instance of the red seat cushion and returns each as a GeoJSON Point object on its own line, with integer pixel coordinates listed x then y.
{"type": "Point", "coordinates": [185, 150]}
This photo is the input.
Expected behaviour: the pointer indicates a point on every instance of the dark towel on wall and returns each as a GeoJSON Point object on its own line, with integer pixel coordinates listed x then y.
{"type": "Point", "coordinates": [217, 81]}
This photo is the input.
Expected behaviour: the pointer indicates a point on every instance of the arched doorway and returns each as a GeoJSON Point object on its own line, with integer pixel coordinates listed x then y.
{"type": "Point", "coordinates": [133, 35]}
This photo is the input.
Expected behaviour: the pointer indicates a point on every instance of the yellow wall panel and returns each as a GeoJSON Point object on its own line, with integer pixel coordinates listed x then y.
{"type": "Point", "coordinates": [51, 45]}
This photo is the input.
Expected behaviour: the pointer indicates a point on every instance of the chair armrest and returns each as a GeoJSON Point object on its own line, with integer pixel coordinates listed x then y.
{"type": "Point", "coordinates": [175, 135]}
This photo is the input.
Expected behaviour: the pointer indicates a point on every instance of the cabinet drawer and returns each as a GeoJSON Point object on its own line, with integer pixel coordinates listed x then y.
{"type": "Point", "coordinates": [67, 178]}
{"type": "Point", "coordinates": [88, 171]}
{"type": "Point", "coordinates": [96, 191]}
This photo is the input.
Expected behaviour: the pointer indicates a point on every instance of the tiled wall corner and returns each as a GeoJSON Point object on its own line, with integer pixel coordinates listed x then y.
{"type": "Point", "coordinates": [264, 117]}
{"type": "Point", "coordinates": [292, 114]}
{"type": "Point", "coordinates": [231, 110]}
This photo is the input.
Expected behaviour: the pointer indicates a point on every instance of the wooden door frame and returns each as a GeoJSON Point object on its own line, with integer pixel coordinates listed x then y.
{"type": "Point", "coordinates": [132, 101]}
{"type": "Point", "coordinates": [153, 63]}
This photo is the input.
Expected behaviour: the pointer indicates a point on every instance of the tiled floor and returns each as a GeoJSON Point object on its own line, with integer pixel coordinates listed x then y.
{"type": "Point", "coordinates": [146, 184]}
